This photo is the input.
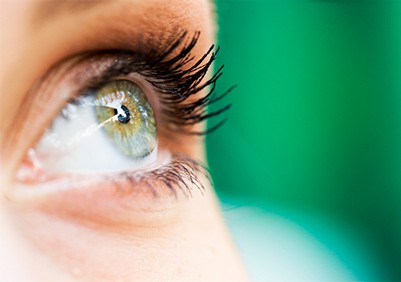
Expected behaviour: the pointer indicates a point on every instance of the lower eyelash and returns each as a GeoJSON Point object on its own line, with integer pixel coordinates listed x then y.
{"type": "Point", "coordinates": [182, 174]}
{"type": "Point", "coordinates": [120, 199]}
{"type": "Point", "coordinates": [179, 176]}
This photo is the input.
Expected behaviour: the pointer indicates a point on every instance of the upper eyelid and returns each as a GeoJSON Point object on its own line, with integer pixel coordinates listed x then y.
{"type": "Point", "coordinates": [176, 77]}
{"type": "Point", "coordinates": [148, 58]}
{"type": "Point", "coordinates": [117, 29]}
{"type": "Point", "coordinates": [163, 67]}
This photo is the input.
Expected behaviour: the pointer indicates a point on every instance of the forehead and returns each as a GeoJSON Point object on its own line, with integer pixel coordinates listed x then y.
{"type": "Point", "coordinates": [24, 21]}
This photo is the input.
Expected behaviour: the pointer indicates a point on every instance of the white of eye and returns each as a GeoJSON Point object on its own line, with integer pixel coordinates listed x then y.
{"type": "Point", "coordinates": [75, 143]}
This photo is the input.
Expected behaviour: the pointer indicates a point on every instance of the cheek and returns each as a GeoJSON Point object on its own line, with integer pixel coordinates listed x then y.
{"type": "Point", "coordinates": [189, 244]}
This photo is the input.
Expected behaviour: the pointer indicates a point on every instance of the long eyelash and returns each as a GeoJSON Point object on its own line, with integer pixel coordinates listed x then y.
{"type": "Point", "coordinates": [175, 81]}
{"type": "Point", "coordinates": [174, 78]}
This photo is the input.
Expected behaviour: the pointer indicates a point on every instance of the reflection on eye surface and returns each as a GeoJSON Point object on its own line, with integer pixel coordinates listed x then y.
{"type": "Point", "coordinates": [109, 123]}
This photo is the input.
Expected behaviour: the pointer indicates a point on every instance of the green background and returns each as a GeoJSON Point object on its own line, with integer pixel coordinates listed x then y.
{"type": "Point", "coordinates": [315, 128]}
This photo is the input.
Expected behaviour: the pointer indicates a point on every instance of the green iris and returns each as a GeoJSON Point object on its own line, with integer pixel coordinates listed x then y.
{"type": "Point", "coordinates": [127, 118]}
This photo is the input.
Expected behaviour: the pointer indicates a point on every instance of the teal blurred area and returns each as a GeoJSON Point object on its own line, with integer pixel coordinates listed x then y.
{"type": "Point", "coordinates": [314, 134]}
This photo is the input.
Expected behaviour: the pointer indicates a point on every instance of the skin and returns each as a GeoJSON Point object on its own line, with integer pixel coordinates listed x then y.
{"type": "Point", "coordinates": [93, 234]}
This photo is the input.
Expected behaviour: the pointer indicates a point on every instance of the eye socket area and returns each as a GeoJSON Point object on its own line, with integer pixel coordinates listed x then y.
{"type": "Point", "coordinates": [150, 184]}
{"type": "Point", "coordinates": [181, 110]}
{"type": "Point", "coordinates": [177, 107]}
{"type": "Point", "coordinates": [174, 113]}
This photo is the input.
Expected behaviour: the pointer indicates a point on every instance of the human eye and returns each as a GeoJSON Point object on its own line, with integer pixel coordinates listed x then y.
{"type": "Point", "coordinates": [109, 129]}
{"type": "Point", "coordinates": [120, 128]}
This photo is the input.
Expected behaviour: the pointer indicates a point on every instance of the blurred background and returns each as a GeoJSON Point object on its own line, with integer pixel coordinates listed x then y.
{"type": "Point", "coordinates": [308, 165]}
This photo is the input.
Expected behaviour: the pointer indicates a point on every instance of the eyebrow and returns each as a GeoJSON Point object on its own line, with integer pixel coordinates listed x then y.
{"type": "Point", "coordinates": [45, 10]}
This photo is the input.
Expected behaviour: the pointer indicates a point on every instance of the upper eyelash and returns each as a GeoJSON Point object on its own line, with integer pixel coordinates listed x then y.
{"type": "Point", "coordinates": [175, 83]}
{"type": "Point", "coordinates": [173, 78]}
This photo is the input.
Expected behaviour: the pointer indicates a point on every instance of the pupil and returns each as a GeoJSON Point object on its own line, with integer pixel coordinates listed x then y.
{"type": "Point", "coordinates": [126, 118]}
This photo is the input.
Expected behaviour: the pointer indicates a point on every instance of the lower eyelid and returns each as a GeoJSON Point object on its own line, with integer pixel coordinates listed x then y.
{"type": "Point", "coordinates": [148, 198]}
